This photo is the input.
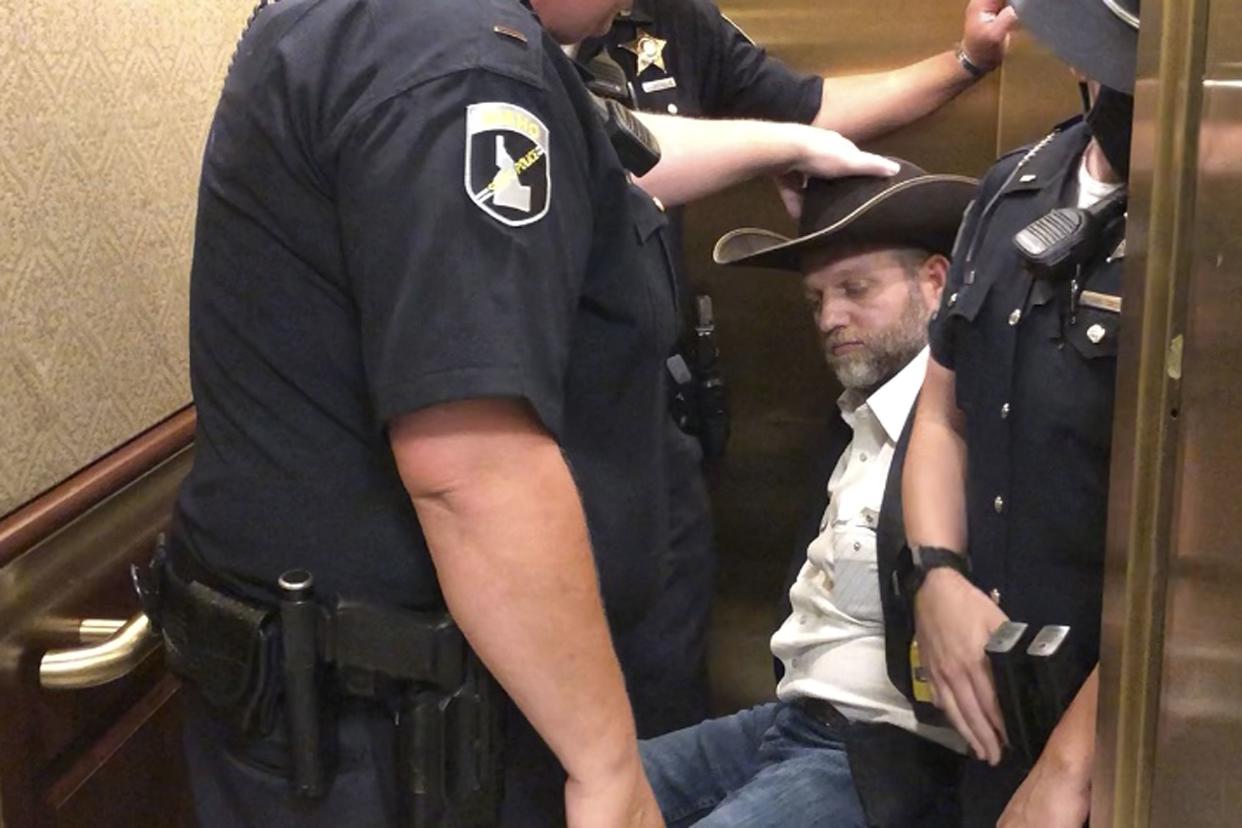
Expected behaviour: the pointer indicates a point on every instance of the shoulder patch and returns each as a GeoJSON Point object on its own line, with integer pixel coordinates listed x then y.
{"type": "Point", "coordinates": [508, 166]}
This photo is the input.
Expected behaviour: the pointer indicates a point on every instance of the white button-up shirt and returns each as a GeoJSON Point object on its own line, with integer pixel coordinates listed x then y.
{"type": "Point", "coordinates": [832, 645]}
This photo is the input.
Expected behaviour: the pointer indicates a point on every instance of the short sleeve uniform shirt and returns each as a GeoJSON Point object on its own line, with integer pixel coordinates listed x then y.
{"type": "Point", "coordinates": [1035, 365]}
{"type": "Point", "coordinates": [685, 57]}
{"type": "Point", "coordinates": [405, 203]}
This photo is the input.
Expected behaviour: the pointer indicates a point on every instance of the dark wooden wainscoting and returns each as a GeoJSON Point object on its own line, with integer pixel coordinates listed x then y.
{"type": "Point", "coordinates": [108, 755]}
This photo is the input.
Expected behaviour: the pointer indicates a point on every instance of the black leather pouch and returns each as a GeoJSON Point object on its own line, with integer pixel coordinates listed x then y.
{"type": "Point", "coordinates": [228, 648]}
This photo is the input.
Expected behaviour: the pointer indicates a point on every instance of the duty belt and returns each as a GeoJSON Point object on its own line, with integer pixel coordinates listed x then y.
{"type": "Point", "coordinates": [247, 657]}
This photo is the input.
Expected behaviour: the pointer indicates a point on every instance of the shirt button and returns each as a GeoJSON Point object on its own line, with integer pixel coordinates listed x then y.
{"type": "Point", "coordinates": [863, 457]}
{"type": "Point", "coordinates": [1004, 411]}
{"type": "Point", "coordinates": [999, 504]}
{"type": "Point", "coordinates": [672, 109]}
{"type": "Point", "coordinates": [1015, 316]}
{"type": "Point", "coordinates": [857, 546]}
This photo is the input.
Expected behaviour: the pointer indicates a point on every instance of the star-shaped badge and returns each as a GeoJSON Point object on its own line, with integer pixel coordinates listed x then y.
{"type": "Point", "coordinates": [649, 50]}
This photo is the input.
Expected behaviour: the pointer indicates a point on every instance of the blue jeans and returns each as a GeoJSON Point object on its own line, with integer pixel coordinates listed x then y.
{"type": "Point", "coordinates": [772, 765]}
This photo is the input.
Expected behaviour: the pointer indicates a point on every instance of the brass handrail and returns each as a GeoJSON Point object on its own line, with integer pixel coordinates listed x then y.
{"type": "Point", "coordinates": [101, 662]}
{"type": "Point", "coordinates": [96, 630]}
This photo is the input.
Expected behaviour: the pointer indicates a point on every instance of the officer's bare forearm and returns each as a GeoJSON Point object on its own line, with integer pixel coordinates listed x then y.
{"type": "Point", "coordinates": [933, 482]}
{"type": "Point", "coordinates": [1071, 748]}
{"type": "Point", "coordinates": [866, 106]}
{"type": "Point", "coordinates": [700, 157]}
{"type": "Point", "coordinates": [507, 534]}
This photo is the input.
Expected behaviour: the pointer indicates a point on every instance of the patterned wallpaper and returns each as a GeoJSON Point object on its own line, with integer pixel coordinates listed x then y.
{"type": "Point", "coordinates": [104, 106]}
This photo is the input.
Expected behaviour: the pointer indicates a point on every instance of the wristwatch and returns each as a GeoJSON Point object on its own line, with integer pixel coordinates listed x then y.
{"type": "Point", "coordinates": [924, 559]}
{"type": "Point", "coordinates": [973, 69]}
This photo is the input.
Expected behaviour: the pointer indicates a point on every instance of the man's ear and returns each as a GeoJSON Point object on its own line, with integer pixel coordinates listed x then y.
{"type": "Point", "coordinates": [932, 275]}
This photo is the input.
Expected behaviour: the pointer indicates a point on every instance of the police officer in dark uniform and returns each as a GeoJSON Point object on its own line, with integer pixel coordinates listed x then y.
{"type": "Point", "coordinates": [1006, 479]}
{"type": "Point", "coordinates": [423, 291]}
{"type": "Point", "coordinates": [686, 57]}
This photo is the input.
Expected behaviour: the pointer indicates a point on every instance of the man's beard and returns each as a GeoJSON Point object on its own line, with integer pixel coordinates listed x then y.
{"type": "Point", "coordinates": [881, 355]}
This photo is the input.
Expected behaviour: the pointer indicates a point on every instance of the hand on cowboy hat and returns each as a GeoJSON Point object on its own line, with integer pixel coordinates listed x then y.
{"type": "Point", "coordinates": [913, 208]}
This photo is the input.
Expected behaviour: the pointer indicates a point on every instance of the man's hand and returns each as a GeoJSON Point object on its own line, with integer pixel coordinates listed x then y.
{"type": "Point", "coordinates": [828, 154]}
{"type": "Point", "coordinates": [985, 37]}
{"type": "Point", "coordinates": [1051, 796]}
{"type": "Point", "coordinates": [700, 157]}
{"type": "Point", "coordinates": [621, 800]}
{"type": "Point", "coordinates": [952, 621]}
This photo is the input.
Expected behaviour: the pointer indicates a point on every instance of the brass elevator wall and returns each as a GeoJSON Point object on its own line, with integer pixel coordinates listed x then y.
{"type": "Point", "coordinates": [103, 110]}
{"type": "Point", "coordinates": [780, 390]}
{"type": "Point", "coordinates": [1199, 734]}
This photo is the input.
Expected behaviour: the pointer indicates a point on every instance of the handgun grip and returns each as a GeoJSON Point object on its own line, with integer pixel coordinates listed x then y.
{"type": "Point", "coordinates": [421, 759]}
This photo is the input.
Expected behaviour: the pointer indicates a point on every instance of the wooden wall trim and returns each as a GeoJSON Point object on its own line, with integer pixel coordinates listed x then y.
{"type": "Point", "coordinates": [53, 509]}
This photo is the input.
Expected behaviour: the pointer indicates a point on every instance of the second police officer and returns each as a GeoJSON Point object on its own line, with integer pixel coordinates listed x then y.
{"type": "Point", "coordinates": [1006, 479]}
{"type": "Point", "coordinates": [429, 315]}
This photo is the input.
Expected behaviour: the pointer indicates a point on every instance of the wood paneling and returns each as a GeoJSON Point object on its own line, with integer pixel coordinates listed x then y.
{"type": "Point", "coordinates": [103, 756]}
{"type": "Point", "coordinates": [43, 516]}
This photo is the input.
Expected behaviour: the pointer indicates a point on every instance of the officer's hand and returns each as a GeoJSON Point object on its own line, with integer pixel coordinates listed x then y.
{"type": "Point", "coordinates": [952, 621]}
{"type": "Point", "coordinates": [828, 154]}
{"type": "Point", "coordinates": [985, 36]}
{"type": "Point", "coordinates": [622, 800]}
{"type": "Point", "coordinates": [1052, 796]}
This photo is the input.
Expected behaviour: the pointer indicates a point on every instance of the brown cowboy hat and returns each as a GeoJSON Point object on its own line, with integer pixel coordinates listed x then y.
{"type": "Point", "coordinates": [911, 209]}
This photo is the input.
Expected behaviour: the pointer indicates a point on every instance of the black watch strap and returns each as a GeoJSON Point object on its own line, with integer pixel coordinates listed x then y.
{"type": "Point", "coordinates": [924, 559]}
{"type": "Point", "coordinates": [927, 558]}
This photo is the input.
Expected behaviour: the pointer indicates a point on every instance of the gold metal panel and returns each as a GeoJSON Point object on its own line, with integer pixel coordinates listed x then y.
{"type": "Point", "coordinates": [856, 36]}
{"type": "Point", "coordinates": [1036, 91]}
{"type": "Point", "coordinates": [1149, 410]}
{"type": "Point", "coordinates": [1199, 737]}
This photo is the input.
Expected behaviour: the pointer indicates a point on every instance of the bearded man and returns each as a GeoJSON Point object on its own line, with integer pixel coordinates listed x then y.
{"type": "Point", "coordinates": [842, 746]}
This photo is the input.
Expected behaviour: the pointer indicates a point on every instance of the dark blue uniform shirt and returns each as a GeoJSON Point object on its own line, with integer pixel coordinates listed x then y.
{"type": "Point", "coordinates": [1034, 375]}
{"type": "Point", "coordinates": [405, 203]}
{"type": "Point", "coordinates": [706, 66]}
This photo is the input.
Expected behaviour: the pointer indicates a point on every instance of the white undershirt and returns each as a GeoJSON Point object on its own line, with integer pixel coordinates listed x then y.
{"type": "Point", "coordinates": [1090, 189]}
{"type": "Point", "coordinates": [832, 644]}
